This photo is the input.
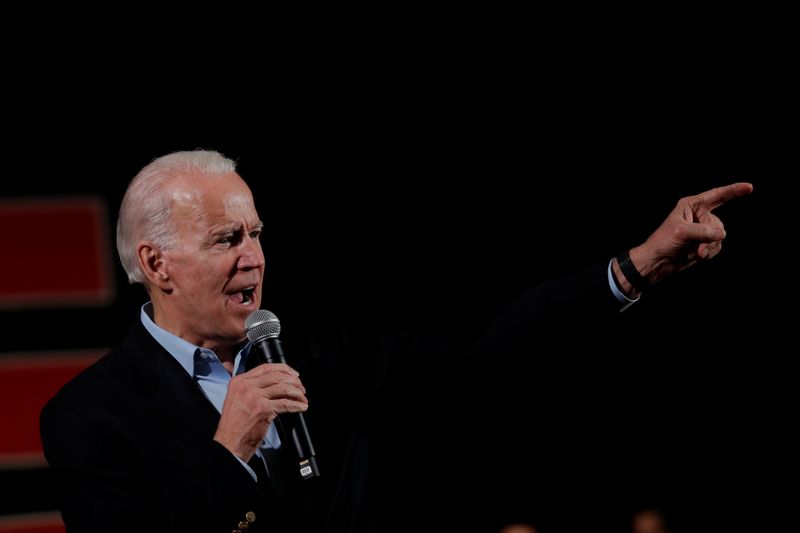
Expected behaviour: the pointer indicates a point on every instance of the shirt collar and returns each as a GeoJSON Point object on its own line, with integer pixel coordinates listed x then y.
{"type": "Point", "coordinates": [183, 351]}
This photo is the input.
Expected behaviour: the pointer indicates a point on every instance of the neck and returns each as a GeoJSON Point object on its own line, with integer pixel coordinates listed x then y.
{"type": "Point", "coordinates": [225, 351]}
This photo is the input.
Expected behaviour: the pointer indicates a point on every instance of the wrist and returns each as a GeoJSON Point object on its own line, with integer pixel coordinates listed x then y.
{"type": "Point", "coordinates": [622, 282]}
{"type": "Point", "coordinates": [239, 450]}
{"type": "Point", "coordinates": [633, 281]}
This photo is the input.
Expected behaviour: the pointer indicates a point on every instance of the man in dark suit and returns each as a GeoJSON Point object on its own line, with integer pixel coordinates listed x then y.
{"type": "Point", "coordinates": [173, 430]}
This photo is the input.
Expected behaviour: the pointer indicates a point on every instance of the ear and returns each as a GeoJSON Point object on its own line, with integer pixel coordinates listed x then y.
{"type": "Point", "coordinates": [152, 263]}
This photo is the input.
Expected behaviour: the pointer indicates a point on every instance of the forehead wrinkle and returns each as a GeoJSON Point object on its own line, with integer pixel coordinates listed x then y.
{"type": "Point", "coordinates": [209, 214]}
{"type": "Point", "coordinates": [238, 204]}
{"type": "Point", "coordinates": [237, 201]}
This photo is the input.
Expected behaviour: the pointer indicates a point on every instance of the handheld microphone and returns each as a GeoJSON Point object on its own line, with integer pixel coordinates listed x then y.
{"type": "Point", "coordinates": [262, 328]}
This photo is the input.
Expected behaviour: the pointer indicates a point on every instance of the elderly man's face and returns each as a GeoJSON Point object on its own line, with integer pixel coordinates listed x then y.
{"type": "Point", "coordinates": [217, 268]}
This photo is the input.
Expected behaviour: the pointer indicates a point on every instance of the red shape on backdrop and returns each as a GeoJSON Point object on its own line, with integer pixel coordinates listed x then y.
{"type": "Point", "coordinates": [27, 381]}
{"type": "Point", "coordinates": [56, 252]}
{"type": "Point", "coordinates": [45, 522]}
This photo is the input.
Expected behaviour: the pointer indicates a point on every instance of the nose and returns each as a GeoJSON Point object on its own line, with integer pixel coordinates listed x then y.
{"type": "Point", "coordinates": [252, 256]}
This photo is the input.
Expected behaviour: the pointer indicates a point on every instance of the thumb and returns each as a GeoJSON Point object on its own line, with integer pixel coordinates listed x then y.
{"type": "Point", "coordinates": [703, 232]}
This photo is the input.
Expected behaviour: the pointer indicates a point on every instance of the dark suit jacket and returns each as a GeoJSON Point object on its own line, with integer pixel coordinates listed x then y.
{"type": "Point", "coordinates": [130, 439]}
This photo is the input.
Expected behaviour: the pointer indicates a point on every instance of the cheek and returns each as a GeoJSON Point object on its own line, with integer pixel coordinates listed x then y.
{"type": "Point", "coordinates": [196, 277]}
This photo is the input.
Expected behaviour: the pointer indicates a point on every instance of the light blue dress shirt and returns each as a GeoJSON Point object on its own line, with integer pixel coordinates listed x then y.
{"type": "Point", "coordinates": [618, 294]}
{"type": "Point", "coordinates": [207, 371]}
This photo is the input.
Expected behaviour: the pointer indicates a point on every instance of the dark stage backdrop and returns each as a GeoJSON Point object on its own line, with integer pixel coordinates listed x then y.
{"type": "Point", "coordinates": [418, 214]}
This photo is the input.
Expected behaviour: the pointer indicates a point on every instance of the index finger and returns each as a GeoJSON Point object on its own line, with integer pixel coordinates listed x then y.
{"type": "Point", "coordinates": [719, 195]}
{"type": "Point", "coordinates": [267, 368]}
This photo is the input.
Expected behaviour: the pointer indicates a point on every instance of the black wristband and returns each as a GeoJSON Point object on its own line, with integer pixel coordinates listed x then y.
{"type": "Point", "coordinates": [630, 272]}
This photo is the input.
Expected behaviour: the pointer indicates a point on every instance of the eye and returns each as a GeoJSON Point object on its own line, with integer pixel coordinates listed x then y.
{"type": "Point", "coordinates": [226, 239]}
{"type": "Point", "coordinates": [255, 234]}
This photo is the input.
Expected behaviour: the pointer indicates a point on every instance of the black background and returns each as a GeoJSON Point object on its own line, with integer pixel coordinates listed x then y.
{"type": "Point", "coordinates": [400, 192]}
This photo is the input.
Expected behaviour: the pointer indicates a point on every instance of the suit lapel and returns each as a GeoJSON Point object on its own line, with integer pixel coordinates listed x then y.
{"type": "Point", "coordinates": [176, 404]}
{"type": "Point", "coordinates": [177, 410]}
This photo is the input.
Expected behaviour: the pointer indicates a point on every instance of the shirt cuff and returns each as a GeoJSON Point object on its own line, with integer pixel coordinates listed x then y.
{"type": "Point", "coordinates": [618, 294]}
{"type": "Point", "coordinates": [252, 473]}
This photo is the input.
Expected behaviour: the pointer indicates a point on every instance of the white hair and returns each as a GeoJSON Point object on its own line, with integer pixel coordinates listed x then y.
{"type": "Point", "coordinates": [145, 213]}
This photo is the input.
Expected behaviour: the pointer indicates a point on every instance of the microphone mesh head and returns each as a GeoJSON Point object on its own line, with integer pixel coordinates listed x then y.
{"type": "Point", "coordinates": [262, 324]}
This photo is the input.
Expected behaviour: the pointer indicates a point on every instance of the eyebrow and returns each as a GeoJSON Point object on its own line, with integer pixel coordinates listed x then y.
{"type": "Point", "coordinates": [233, 228]}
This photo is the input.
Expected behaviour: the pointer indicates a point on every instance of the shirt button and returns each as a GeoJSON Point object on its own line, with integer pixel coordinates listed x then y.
{"type": "Point", "coordinates": [250, 516]}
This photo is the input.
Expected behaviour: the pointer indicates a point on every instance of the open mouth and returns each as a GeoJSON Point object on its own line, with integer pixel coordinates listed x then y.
{"type": "Point", "coordinates": [244, 296]}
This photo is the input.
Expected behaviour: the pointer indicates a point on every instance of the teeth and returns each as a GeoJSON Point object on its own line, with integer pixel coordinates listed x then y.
{"type": "Point", "coordinates": [247, 293]}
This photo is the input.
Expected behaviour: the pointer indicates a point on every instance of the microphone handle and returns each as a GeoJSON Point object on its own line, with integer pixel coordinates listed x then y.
{"type": "Point", "coordinates": [291, 426]}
